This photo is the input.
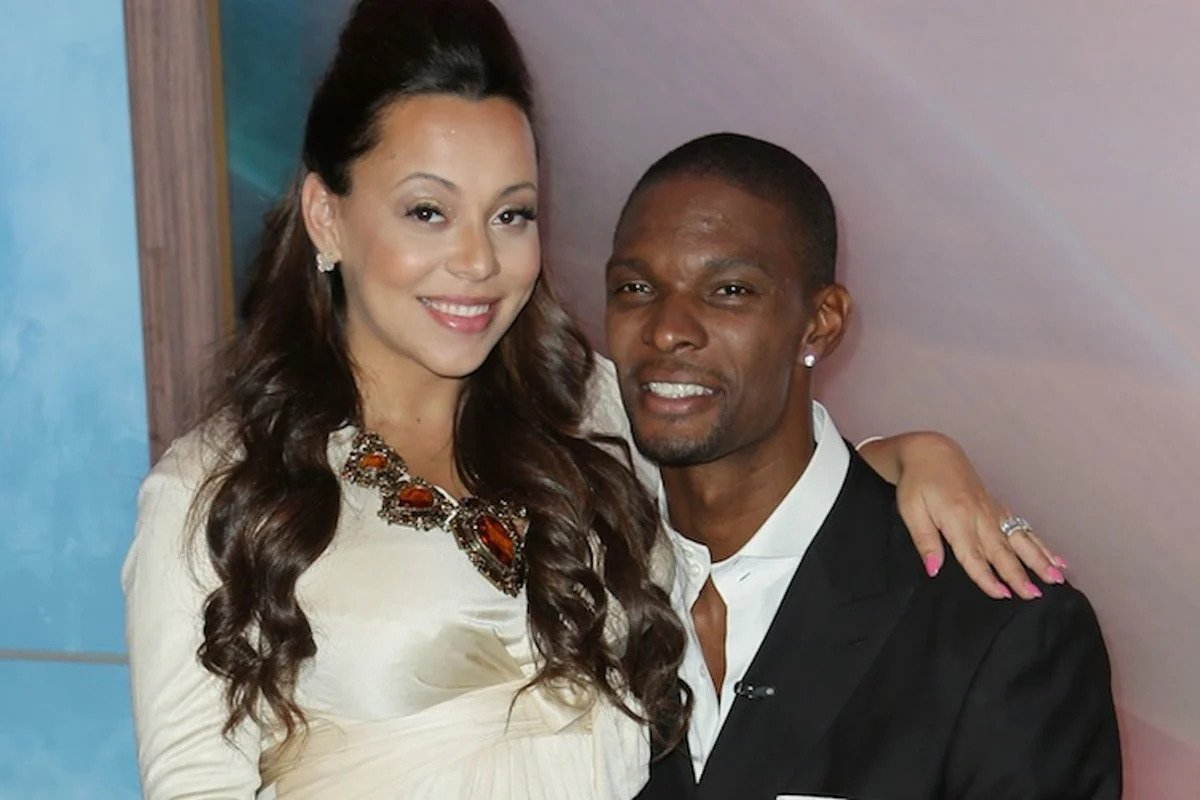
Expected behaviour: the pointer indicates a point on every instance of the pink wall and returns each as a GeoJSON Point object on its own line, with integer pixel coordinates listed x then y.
{"type": "Point", "coordinates": [1018, 184]}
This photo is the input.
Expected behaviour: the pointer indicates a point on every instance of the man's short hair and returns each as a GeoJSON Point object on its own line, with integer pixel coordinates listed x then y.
{"type": "Point", "coordinates": [767, 171]}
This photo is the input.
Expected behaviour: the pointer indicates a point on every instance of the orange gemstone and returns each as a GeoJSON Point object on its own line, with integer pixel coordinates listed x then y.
{"type": "Point", "coordinates": [496, 538]}
{"type": "Point", "coordinates": [373, 461]}
{"type": "Point", "coordinates": [414, 495]}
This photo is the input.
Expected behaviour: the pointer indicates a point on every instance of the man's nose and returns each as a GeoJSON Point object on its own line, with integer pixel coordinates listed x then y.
{"type": "Point", "coordinates": [675, 325]}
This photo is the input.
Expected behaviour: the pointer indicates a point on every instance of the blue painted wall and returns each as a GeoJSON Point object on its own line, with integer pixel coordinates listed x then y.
{"type": "Point", "coordinates": [73, 441]}
{"type": "Point", "coordinates": [66, 733]}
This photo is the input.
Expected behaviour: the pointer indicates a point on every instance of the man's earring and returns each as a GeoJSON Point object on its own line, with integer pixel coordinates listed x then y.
{"type": "Point", "coordinates": [810, 360]}
{"type": "Point", "coordinates": [325, 262]}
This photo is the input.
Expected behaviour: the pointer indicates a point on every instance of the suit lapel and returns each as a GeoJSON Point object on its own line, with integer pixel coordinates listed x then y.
{"type": "Point", "coordinates": [671, 778]}
{"type": "Point", "coordinates": [671, 774]}
{"type": "Point", "coordinates": [835, 616]}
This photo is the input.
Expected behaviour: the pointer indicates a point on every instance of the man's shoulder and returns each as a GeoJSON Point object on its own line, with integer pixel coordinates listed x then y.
{"type": "Point", "coordinates": [952, 596]}
{"type": "Point", "coordinates": [1061, 609]}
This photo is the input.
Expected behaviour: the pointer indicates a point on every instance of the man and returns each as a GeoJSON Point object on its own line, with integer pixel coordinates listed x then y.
{"type": "Point", "coordinates": [821, 658]}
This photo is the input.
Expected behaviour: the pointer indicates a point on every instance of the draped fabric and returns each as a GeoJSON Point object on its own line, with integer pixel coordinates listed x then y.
{"type": "Point", "coordinates": [415, 690]}
{"type": "Point", "coordinates": [479, 744]}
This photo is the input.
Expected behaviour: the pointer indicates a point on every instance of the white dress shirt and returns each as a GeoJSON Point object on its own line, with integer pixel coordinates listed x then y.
{"type": "Point", "coordinates": [752, 582]}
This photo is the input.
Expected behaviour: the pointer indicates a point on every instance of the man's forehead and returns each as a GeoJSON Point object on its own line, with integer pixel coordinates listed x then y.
{"type": "Point", "coordinates": [686, 213]}
{"type": "Point", "coordinates": [700, 203]}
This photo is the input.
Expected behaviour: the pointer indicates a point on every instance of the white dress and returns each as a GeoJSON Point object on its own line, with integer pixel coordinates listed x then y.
{"type": "Point", "coordinates": [410, 693]}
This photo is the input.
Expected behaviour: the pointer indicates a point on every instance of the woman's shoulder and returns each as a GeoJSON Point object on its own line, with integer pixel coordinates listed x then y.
{"type": "Point", "coordinates": [168, 507]}
{"type": "Point", "coordinates": [195, 456]}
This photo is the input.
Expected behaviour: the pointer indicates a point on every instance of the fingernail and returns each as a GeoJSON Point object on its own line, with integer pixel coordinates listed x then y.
{"type": "Point", "coordinates": [1003, 590]}
{"type": "Point", "coordinates": [1032, 589]}
{"type": "Point", "coordinates": [1054, 576]}
{"type": "Point", "coordinates": [1060, 562]}
{"type": "Point", "coordinates": [933, 564]}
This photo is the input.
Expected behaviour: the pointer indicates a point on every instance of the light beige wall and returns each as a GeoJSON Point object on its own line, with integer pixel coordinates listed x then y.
{"type": "Point", "coordinates": [1018, 184]}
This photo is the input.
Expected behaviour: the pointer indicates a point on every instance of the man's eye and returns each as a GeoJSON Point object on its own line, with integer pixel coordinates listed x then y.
{"type": "Point", "coordinates": [733, 290]}
{"type": "Point", "coordinates": [632, 287]}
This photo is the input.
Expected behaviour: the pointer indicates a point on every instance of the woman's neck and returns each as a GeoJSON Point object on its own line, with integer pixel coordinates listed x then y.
{"type": "Point", "coordinates": [412, 409]}
{"type": "Point", "coordinates": [403, 403]}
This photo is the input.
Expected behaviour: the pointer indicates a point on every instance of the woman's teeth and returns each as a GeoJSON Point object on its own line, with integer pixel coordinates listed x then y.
{"type": "Point", "coordinates": [458, 309]}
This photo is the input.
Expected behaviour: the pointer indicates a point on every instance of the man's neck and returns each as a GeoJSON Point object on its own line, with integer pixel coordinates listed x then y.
{"type": "Point", "coordinates": [723, 503]}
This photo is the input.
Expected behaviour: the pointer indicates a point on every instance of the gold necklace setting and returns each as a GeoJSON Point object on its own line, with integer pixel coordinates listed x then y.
{"type": "Point", "coordinates": [492, 534]}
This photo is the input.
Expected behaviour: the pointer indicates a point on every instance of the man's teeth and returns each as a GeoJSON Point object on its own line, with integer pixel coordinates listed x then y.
{"type": "Point", "coordinates": [675, 391]}
{"type": "Point", "coordinates": [459, 310]}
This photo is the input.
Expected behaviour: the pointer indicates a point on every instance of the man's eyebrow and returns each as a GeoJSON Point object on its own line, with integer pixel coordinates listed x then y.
{"type": "Point", "coordinates": [712, 264]}
{"type": "Point", "coordinates": [734, 262]}
{"type": "Point", "coordinates": [629, 263]}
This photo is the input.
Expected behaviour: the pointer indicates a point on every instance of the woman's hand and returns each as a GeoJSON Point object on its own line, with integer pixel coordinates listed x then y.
{"type": "Point", "coordinates": [940, 494]}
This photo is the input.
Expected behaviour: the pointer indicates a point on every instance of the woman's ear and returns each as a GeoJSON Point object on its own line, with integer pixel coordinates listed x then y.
{"type": "Point", "coordinates": [829, 316]}
{"type": "Point", "coordinates": [318, 205]}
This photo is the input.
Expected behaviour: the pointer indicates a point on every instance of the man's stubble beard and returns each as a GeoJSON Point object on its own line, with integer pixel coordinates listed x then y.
{"type": "Point", "coordinates": [667, 451]}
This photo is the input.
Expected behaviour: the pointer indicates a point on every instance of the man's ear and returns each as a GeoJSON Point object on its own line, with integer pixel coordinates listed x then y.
{"type": "Point", "coordinates": [319, 205]}
{"type": "Point", "coordinates": [829, 315]}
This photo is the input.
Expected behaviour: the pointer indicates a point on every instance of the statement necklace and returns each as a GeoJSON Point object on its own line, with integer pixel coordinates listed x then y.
{"type": "Point", "coordinates": [491, 534]}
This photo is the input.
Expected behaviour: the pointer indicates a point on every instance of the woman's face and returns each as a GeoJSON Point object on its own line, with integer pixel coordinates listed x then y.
{"type": "Point", "coordinates": [437, 237]}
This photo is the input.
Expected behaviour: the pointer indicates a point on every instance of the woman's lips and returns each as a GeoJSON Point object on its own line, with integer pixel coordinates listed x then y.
{"type": "Point", "coordinates": [461, 314]}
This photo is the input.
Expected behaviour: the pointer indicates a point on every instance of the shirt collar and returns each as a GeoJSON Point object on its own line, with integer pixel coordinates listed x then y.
{"type": "Point", "coordinates": [792, 526]}
{"type": "Point", "coordinates": [794, 523]}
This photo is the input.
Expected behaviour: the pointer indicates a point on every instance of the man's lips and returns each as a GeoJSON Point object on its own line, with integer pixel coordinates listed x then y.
{"type": "Point", "coordinates": [675, 390]}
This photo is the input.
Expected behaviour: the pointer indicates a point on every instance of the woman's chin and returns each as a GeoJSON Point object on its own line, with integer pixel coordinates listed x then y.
{"type": "Point", "coordinates": [457, 368]}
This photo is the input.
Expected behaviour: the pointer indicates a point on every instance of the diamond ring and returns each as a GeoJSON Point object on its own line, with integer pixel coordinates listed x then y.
{"type": "Point", "coordinates": [1011, 525]}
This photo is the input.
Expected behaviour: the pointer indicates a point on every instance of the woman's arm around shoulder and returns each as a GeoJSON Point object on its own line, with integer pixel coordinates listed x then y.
{"type": "Point", "coordinates": [940, 494]}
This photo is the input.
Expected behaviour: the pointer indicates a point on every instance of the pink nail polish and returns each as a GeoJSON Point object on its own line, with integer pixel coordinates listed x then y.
{"type": "Point", "coordinates": [1060, 562]}
{"type": "Point", "coordinates": [1054, 576]}
{"type": "Point", "coordinates": [933, 565]}
{"type": "Point", "coordinates": [1003, 590]}
{"type": "Point", "coordinates": [1032, 589]}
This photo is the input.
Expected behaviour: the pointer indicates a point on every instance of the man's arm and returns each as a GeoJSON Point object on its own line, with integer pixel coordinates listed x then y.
{"type": "Point", "coordinates": [1039, 722]}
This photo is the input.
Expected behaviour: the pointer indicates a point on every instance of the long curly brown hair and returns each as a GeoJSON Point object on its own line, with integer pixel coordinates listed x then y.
{"type": "Point", "coordinates": [272, 509]}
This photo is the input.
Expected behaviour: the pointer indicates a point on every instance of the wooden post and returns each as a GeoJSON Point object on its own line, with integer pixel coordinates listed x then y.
{"type": "Point", "coordinates": [182, 206]}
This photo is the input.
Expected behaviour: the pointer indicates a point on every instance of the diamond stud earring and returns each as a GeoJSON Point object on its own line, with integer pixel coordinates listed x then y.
{"type": "Point", "coordinates": [325, 262]}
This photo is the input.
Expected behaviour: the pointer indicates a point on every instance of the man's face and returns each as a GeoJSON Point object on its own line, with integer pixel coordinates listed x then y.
{"type": "Point", "coordinates": [705, 318]}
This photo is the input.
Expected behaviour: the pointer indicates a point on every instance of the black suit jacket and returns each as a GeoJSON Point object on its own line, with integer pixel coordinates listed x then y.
{"type": "Point", "coordinates": [889, 685]}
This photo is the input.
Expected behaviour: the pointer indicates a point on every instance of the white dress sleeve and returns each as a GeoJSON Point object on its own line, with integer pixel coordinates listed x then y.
{"type": "Point", "coordinates": [179, 707]}
{"type": "Point", "coordinates": [606, 415]}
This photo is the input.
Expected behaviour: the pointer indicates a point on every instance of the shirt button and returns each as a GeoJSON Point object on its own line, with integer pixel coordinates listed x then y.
{"type": "Point", "coordinates": [694, 569]}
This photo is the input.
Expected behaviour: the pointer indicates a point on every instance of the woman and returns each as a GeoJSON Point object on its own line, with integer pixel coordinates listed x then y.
{"type": "Point", "coordinates": [397, 561]}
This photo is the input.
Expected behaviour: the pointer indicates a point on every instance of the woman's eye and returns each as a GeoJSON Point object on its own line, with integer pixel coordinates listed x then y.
{"type": "Point", "coordinates": [425, 213]}
{"type": "Point", "coordinates": [516, 216]}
